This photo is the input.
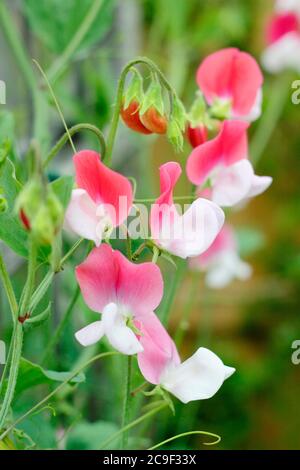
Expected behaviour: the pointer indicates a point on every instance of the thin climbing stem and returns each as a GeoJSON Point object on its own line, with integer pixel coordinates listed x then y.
{"type": "Point", "coordinates": [189, 433]}
{"type": "Point", "coordinates": [127, 399]}
{"type": "Point", "coordinates": [8, 289]}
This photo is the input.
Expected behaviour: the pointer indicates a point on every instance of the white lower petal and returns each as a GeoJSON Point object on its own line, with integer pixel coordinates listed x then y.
{"type": "Point", "coordinates": [90, 334]}
{"type": "Point", "coordinates": [81, 217]}
{"type": "Point", "coordinates": [283, 54]}
{"type": "Point", "coordinates": [198, 378]}
{"type": "Point", "coordinates": [259, 185]}
{"type": "Point", "coordinates": [120, 336]}
{"type": "Point", "coordinates": [226, 267]}
{"type": "Point", "coordinates": [232, 184]}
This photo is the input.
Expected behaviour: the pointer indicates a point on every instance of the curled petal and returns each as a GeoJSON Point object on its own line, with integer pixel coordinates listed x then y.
{"type": "Point", "coordinates": [90, 334]}
{"type": "Point", "coordinates": [197, 378]}
{"type": "Point", "coordinates": [103, 185]}
{"type": "Point", "coordinates": [230, 146]}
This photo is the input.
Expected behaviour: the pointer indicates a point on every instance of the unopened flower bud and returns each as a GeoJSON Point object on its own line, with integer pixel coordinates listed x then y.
{"type": "Point", "coordinates": [28, 201]}
{"type": "Point", "coordinates": [152, 110]}
{"type": "Point", "coordinates": [42, 226]}
{"type": "Point", "coordinates": [198, 111]}
{"type": "Point", "coordinates": [196, 135]}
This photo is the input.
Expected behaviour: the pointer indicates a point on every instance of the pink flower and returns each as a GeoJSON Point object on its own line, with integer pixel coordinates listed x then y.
{"type": "Point", "coordinates": [197, 378]}
{"type": "Point", "coordinates": [233, 77]}
{"type": "Point", "coordinates": [221, 261]}
{"type": "Point", "coordinates": [224, 161]}
{"type": "Point", "coordinates": [283, 39]}
{"type": "Point", "coordinates": [184, 235]}
{"type": "Point", "coordinates": [122, 292]}
{"type": "Point", "coordinates": [102, 200]}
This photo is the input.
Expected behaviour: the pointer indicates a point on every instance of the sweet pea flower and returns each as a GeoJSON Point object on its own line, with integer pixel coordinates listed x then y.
{"type": "Point", "coordinates": [223, 160]}
{"type": "Point", "coordinates": [101, 201]}
{"type": "Point", "coordinates": [283, 39]}
{"type": "Point", "coordinates": [233, 79]}
{"type": "Point", "coordinates": [197, 378]}
{"type": "Point", "coordinates": [221, 261]}
{"type": "Point", "coordinates": [287, 5]}
{"type": "Point", "coordinates": [184, 235]}
{"type": "Point", "coordinates": [122, 292]}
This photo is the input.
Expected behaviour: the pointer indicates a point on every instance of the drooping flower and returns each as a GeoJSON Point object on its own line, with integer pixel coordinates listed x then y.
{"type": "Point", "coordinates": [197, 378]}
{"type": "Point", "coordinates": [122, 292]}
{"type": "Point", "coordinates": [221, 262]}
{"type": "Point", "coordinates": [184, 235]}
{"type": "Point", "coordinates": [223, 160]}
{"type": "Point", "coordinates": [101, 201]}
{"type": "Point", "coordinates": [283, 39]}
{"type": "Point", "coordinates": [233, 79]}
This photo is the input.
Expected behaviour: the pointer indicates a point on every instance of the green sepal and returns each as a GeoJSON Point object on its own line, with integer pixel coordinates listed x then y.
{"type": "Point", "coordinates": [135, 90]}
{"type": "Point", "coordinates": [153, 98]}
{"type": "Point", "coordinates": [37, 320]}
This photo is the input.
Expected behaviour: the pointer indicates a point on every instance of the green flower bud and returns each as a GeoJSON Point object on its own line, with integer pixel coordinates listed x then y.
{"type": "Point", "coordinates": [198, 111]}
{"type": "Point", "coordinates": [42, 226]}
{"type": "Point", "coordinates": [175, 136]}
{"type": "Point", "coordinates": [30, 198]}
{"type": "Point", "coordinates": [179, 113]}
{"type": "Point", "coordinates": [134, 91]}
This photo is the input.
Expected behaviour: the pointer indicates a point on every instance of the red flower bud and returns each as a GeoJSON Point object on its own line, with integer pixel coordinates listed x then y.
{"type": "Point", "coordinates": [154, 121]}
{"type": "Point", "coordinates": [24, 219]}
{"type": "Point", "coordinates": [196, 135]}
{"type": "Point", "coordinates": [131, 118]}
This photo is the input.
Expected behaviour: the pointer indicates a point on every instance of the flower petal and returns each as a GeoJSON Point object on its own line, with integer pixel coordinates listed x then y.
{"type": "Point", "coordinates": [259, 185]}
{"type": "Point", "coordinates": [159, 349]}
{"type": "Point", "coordinates": [198, 378]}
{"type": "Point", "coordinates": [230, 146]}
{"type": "Point", "coordinates": [230, 74]}
{"type": "Point", "coordinates": [139, 286]}
{"type": "Point", "coordinates": [283, 54]}
{"type": "Point", "coordinates": [97, 277]}
{"type": "Point", "coordinates": [120, 336]}
{"type": "Point", "coordinates": [90, 334]}
{"type": "Point", "coordinates": [104, 185]}
{"type": "Point", "coordinates": [81, 216]}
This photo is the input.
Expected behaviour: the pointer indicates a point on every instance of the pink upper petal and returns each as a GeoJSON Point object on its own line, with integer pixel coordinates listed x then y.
{"type": "Point", "coordinates": [107, 276]}
{"type": "Point", "coordinates": [280, 25]}
{"type": "Point", "coordinates": [97, 277]}
{"type": "Point", "coordinates": [103, 185]}
{"type": "Point", "coordinates": [159, 349]}
{"type": "Point", "coordinates": [231, 74]}
{"type": "Point", "coordinates": [139, 286]}
{"type": "Point", "coordinates": [230, 146]}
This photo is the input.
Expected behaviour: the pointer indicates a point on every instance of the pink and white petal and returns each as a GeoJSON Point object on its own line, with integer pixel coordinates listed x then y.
{"type": "Point", "coordinates": [169, 174]}
{"type": "Point", "coordinates": [232, 184]}
{"type": "Point", "coordinates": [120, 336]}
{"type": "Point", "coordinates": [139, 286]}
{"type": "Point", "coordinates": [81, 217]}
{"type": "Point", "coordinates": [282, 54]}
{"type": "Point", "coordinates": [255, 111]}
{"type": "Point", "coordinates": [159, 349]}
{"type": "Point", "coordinates": [230, 146]}
{"type": "Point", "coordinates": [197, 378]}
{"type": "Point", "coordinates": [259, 185]}
{"type": "Point", "coordinates": [280, 25]}
{"type": "Point", "coordinates": [90, 334]}
{"type": "Point", "coordinates": [97, 278]}
{"type": "Point", "coordinates": [103, 185]}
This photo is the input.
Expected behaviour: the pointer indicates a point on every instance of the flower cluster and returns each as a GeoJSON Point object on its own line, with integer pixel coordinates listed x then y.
{"type": "Point", "coordinates": [283, 38]}
{"type": "Point", "coordinates": [126, 293]}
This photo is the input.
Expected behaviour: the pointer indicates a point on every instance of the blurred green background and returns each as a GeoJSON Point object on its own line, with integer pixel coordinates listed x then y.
{"type": "Point", "coordinates": [250, 325]}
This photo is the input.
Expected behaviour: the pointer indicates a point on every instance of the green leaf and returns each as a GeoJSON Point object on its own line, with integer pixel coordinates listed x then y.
{"type": "Point", "coordinates": [11, 231]}
{"type": "Point", "coordinates": [55, 22]}
{"type": "Point", "coordinates": [62, 187]}
{"type": "Point", "coordinates": [88, 436]}
{"type": "Point", "coordinates": [31, 375]}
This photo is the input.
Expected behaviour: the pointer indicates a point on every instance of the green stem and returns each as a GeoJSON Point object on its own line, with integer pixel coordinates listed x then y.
{"type": "Point", "coordinates": [120, 91]}
{"type": "Point", "coordinates": [56, 390]}
{"type": "Point", "coordinates": [270, 118]}
{"type": "Point", "coordinates": [59, 65]}
{"type": "Point", "coordinates": [8, 289]}
{"type": "Point", "coordinates": [166, 309]}
{"type": "Point", "coordinates": [41, 290]}
{"type": "Point", "coordinates": [29, 286]}
{"type": "Point", "coordinates": [61, 326]}
{"type": "Point", "coordinates": [126, 404]}
{"type": "Point", "coordinates": [132, 424]}
{"type": "Point", "coordinates": [189, 433]}
{"type": "Point", "coordinates": [70, 252]}
{"type": "Point", "coordinates": [73, 130]}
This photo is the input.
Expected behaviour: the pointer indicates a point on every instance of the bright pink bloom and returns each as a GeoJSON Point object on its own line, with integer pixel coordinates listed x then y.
{"type": "Point", "coordinates": [122, 291]}
{"type": "Point", "coordinates": [221, 261]}
{"type": "Point", "coordinates": [102, 200]}
{"type": "Point", "coordinates": [223, 160]}
{"type": "Point", "coordinates": [283, 39]}
{"type": "Point", "coordinates": [184, 235]}
{"type": "Point", "coordinates": [232, 76]}
{"type": "Point", "coordinates": [197, 378]}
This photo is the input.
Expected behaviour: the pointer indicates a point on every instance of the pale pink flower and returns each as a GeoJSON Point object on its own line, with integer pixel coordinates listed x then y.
{"type": "Point", "coordinates": [221, 262]}
{"type": "Point", "coordinates": [122, 292]}
{"type": "Point", "coordinates": [184, 235]}
{"type": "Point", "coordinates": [232, 77]}
{"type": "Point", "coordinates": [101, 201]}
{"type": "Point", "coordinates": [197, 378]}
{"type": "Point", "coordinates": [224, 161]}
